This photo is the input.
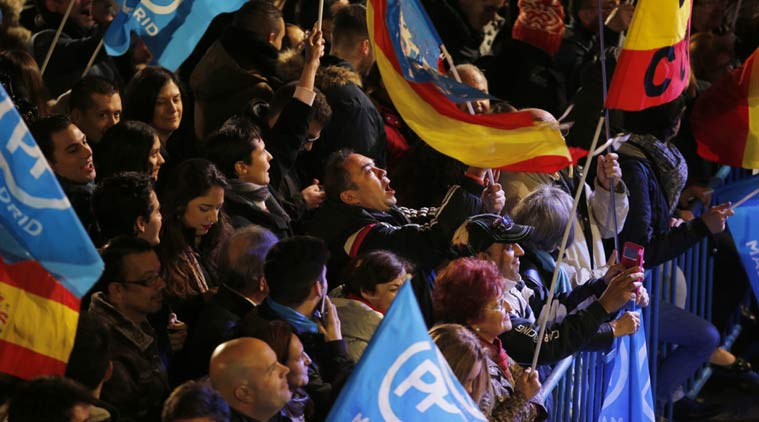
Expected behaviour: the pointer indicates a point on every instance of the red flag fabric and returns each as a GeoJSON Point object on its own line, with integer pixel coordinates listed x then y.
{"type": "Point", "coordinates": [725, 118]}
{"type": "Point", "coordinates": [654, 65]}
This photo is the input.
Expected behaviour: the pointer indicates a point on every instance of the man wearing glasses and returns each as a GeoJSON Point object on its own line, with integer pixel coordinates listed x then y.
{"type": "Point", "coordinates": [131, 288]}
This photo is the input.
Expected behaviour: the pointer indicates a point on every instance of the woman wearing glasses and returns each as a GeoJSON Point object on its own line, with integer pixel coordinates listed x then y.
{"type": "Point", "coordinates": [470, 292]}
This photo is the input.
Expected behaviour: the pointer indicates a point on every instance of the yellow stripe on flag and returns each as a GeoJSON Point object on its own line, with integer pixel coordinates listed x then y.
{"type": "Point", "coordinates": [475, 145]}
{"type": "Point", "coordinates": [751, 153]}
{"type": "Point", "coordinates": [37, 323]}
{"type": "Point", "coordinates": [657, 24]}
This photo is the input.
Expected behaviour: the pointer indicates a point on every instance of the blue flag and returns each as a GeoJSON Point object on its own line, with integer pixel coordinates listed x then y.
{"type": "Point", "coordinates": [402, 376]}
{"type": "Point", "coordinates": [36, 219]}
{"type": "Point", "coordinates": [744, 229]}
{"type": "Point", "coordinates": [628, 394]}
{"type": "Point", "coordinates": [170, 28]}
{"type": "Point", "coordinates": [417, 45]}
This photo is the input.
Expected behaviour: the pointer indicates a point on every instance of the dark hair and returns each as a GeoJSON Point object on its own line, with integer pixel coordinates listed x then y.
{"type": "Point", "coordinates": [463, 289]}
{"type": "Point", "coordinates": [21, 77]}
{"type": "Point", "coordinates": [118, 200]}
{"type": "Point", "coordinates": [230, 143]}
{"type": "Point", "coordinates": [141, 93]}
{"type": "Point", "coordinates": [248, 267]}
{"type": "Point", "coordinates": [368, 270]}
{"type": "Point", "coordinates": [113, 254]}
{"type": "Point", "coordinates": [82, 91]}
{"type": "Point", "coordinates": [658, 121]}
{"type": "Point", "coordinates": [337, 179]}
{"type": "Point", "coordinates": [277, 334]}
{"type": "Point", "coordinates": [349, 26]}
{"type": "Point", "coordinates": [320, 109]}
{"type": "Point", "coordinates": [43, 129]}
{"type": "Point", "coordinates": [125, 146]}
{"type": "Point", "coordinates": [290, 284]}
{"type": "Point", "coordinates": [47, 399]}
{"type": "Point", "coordinates": [258, 16]}
{"type": "Point", "coordinates": [91, 355]}
{"type": "Point", "coordinates": [189, 180]}
{"type": "Point", "coordinates": [195, 400]}
{"type": "Point", "coordinates": [309, 12]}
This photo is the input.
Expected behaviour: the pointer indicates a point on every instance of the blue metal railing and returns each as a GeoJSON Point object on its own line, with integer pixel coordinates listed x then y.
{"type": "Point", "coordinates": [576, 383]}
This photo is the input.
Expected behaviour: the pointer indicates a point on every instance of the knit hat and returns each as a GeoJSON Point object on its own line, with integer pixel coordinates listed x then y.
{"type": "Point", "coordinates": [480, 231]}
{"type": "Point", "coordinates": [541, 24]}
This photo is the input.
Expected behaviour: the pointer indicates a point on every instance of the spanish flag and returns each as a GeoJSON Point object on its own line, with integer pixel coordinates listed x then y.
{"type": "Point", "coordinates": [654, 65]}
{"type": "Point", "coordinates": [407, 49]}
{"type": "Point", "coordinates": [47, 261]}
{"type": "Point", "coordinates": [725, 118]}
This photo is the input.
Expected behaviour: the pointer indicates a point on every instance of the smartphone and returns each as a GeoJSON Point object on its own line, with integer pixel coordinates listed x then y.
{"type": "Point", "coordinates": [319, 313]}
{"type": "Point", "coordinates": [632, 255]}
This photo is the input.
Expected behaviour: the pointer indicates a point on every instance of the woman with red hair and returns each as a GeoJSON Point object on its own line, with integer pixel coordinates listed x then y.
{"type": "Point", "coordinates": [470, 292]}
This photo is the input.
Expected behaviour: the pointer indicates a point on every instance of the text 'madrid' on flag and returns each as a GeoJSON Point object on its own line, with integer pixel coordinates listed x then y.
{"type": "Point", "coordinates": [725, 118]}
{"type": "Point", "coordinates": [628, 394]}
{"type": "Point", "coordinates": [407, 49]}
{"type": "Point", "coordinates": [744, 226]}
{"type": "Point", "coordinates": [47, 261]}
{"type": "Point", "coordinates": [170, 28]}
{"type": "Point", "coordinates": [402, 376]}
{"type": "Point", "coordinates": [654, 65]}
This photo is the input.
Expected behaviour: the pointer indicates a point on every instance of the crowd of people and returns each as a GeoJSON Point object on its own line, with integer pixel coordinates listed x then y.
{"type": "Point", "coordinates": [253, 241]}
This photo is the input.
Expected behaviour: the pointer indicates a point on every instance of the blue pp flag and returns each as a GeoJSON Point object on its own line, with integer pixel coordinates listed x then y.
{"type": "Point", "coordinates": [36, 219]}
{"type": "Point", "coordinates": [744, 229]}
{"type": "Point", "coordinates": [402, 376]}
{"type": "Point", "coordinates": [628, 394]}
{"type": "Point", "coordinates": [170, 28]}
{"type": "Point", "coordinates": [417, 45]}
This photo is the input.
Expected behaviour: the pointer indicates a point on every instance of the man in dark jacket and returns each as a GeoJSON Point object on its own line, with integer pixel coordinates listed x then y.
{"type": "Point", "coordinates": [238, 67]}
{"type": "Point", "coordinates": [132, 289]}
{"type": "Point", "coordinates": [355, 123]}
{"type": "Point", "coordinates": [295, 271]}
{"type": "Point", "coordinates": [460, 24]}
{"type": "Point", "coordinates": [70, 157]}
{"type": "Point", "coordinates": [243, 288]}
{"type": "Point", "coordinates": [77, 43]}
{"type": "Point", "coordinates": [360, 214]}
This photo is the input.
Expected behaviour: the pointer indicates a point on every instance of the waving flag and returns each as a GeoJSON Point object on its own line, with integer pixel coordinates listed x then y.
{"type": "Point", "coordinates": [170, 28]}
{"type": "Point", "coordinates": [654, 65]}
{"type": "Point", "coordinates": [47, 262]}
{"type": "Point", "coordinates": [407, 49]}
{"type": "Point", "coordinates": [743, 228]}
{"type": "Point", "coordinates": [402, 376]}
{"type": "Point", "coordinates": [628, 395]}
{"type": "Point", "coordinates": [725, 118]}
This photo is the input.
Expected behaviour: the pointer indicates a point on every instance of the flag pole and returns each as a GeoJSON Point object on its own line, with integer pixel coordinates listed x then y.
{"type": "Point", "coordinates": [56, 37]}
{"type": "Point", "coordinates": [543, 317]}
{"type": "Point", "coordinates": [604, 79]}
{"type": "Point", "coordinates": [736, 15]}
{"type": "Point", "coordinates": [321, 15]}
{"type": "Point", "coordinates": [744, 199]}
{"type": "Point", "coordinates": [449, 59]}
{"type": "Point", "coordinates": [92, 59]}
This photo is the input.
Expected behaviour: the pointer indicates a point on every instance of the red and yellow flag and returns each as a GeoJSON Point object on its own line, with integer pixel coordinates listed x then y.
{"type": "Point", "coordinates": [38, 318]}
{"type": "Point", "coordinates": [654, 65]}
{"type": "Point", "coordinates": [725, 118]}
{"type": "Point", "coordinates": [407, 50]}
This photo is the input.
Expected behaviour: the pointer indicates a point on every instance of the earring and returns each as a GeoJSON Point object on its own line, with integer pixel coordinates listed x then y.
{"type": "Point", "coordinates": [477, 329]}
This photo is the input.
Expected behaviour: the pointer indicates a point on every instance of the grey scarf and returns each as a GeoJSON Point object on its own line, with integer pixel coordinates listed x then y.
{"type": "Point", "coordinates": [667, 161]}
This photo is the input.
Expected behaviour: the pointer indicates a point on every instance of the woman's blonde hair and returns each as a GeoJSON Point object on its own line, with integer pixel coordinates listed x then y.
{"type": "Point", "coordinates": [463, 350]}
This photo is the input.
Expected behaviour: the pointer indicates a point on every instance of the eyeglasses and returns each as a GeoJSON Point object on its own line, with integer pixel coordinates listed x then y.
{"type": "Point", "coordinates": [500, 305]}
{"type": "Point", "coordinates": [150, 281]}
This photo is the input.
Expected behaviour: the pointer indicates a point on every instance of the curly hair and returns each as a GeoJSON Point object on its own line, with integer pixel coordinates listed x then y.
{"type": "Point", "coordinates": [463, 289]}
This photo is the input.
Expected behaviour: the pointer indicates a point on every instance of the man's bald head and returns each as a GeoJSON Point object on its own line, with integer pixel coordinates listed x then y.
{"type": "Point", "coordinates": [471, 75]}
{"type": "Point", "coordinates": [246, 373]}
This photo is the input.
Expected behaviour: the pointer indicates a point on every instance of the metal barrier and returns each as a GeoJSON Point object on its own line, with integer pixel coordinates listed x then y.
{"type": "Point", "coordinates": [576, 383]}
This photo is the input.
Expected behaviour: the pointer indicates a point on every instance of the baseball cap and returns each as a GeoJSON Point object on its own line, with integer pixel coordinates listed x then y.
{"type": "Point", "coordinates": [478, 232]}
